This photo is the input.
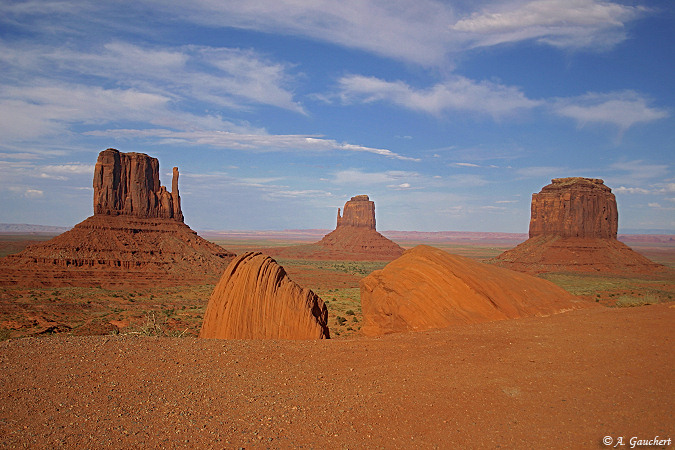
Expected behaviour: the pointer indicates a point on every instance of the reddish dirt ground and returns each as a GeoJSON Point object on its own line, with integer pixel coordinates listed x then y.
{"type": "Point", "coordinates": [564, 381]}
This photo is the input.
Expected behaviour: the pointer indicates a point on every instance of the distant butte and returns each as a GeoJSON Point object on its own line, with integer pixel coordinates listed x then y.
{"type": "Point", "coordinates": [573, 227]}
{"type": "Point", "coordinates": [354, 237]}
{"type": "Point", "coordinates": [355, 232]}
{"type": "Point", "coordinates": [135, 237]}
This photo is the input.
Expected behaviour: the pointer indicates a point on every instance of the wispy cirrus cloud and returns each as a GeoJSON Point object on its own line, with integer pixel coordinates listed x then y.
{"type": "Point", "coordinates": [640, 170]}
{"type": "Point", "coordinates": [260, 141]}
{"type": "Point", "coordinates": [623, 109]}
{"type": "Point", "coordinates": [410, 31]}
{"type": "Point", "coordinates": [359, 177]}
{"type": "Point", "coordinates": [228, 77]}
{"type": "Point", "coordinates": [620, 109]}
{"type": "Point", "coordinates": [630, 190]}
{"type": "Point", "coordinates": [424, 32]}
{"type": "Point", "coordinates": [560, 23]}
{"type": "Point", "coordinates": [456, 94]}
{"type": "Point", "coordinates": [29, 112]}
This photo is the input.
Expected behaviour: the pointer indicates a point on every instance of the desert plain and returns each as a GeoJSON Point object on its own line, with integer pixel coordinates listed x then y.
{"type": "Point", "coordinates": [121, 368]}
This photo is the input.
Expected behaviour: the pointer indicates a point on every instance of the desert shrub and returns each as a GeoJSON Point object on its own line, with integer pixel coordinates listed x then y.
{"type": "Point", "coordinates": [349, 312]}
{"type": "Point", "coordinates": [156, 326]}
{"type": "Point", "coordinates": [627, 301]}
{"type": "Point", "coordinates": [341, 320]}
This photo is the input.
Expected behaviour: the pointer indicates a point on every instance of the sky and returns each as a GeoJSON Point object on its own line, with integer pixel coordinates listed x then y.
{"type": "Point", "coordinates": [448, 114]}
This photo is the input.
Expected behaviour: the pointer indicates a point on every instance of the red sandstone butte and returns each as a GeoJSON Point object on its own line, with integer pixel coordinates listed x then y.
{"type": "Point", "coordinates": [575, 207]}
{"type": "Point", "coordinates": [428, 288]}
{"type": "Point", "coordinates": [128, 184]}
{"type": "Point", "coordinates": [355, 232]}
{"type": "Point", "coordinates": [573, 227]}
{"type": "Point", "coordinates": [135, 237]}
{"type": "Point", "coordinates": [255, 299]}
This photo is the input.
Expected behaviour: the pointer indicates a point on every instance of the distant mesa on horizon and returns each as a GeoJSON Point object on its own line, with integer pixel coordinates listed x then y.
{"type": "Point", "coordinates": [135, 237]}
{"type": "Point", "coordinates": [573, 227]}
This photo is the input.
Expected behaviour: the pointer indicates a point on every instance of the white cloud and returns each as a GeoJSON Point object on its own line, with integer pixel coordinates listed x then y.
{"type": "Point", "coordinates": [621, 109]}
{"type": "Point", "coordinates": [467, 180]}
{"type": "Point", "coordinates": [26, 192]}
{"type": "Point", "coordinates": [33, 193]}
{"type": "Point", "coordinates": [654, 205]}
{"type": "Point", "coordinates": [152, 84]}
{"type": "Point", "coordinates": [70, 168]}
{"type": "Point", "coordinates": [424, 32]}
{"type": "Point", "coordinates": [541, 172]}
{"type": "Point", "coordinates": [299, 193]}
{"type": "Point", "coordinates": [43, 110]}
{"type": "Point", "coordinates": [241, 141]}
{"type": "Point", "coordinates": [461, 164]}
{"type": "Point", "coordinates": [456, 94]}
{"type": "Point", "coordinates": [357, 177]}
{"type": "Point", "coordinates": [630, 190]}
{"type": "Point", "coordinates": [640, 171]}
{"type": "Point", "coordinates": [400, 29]}
{"type": "Point", "coordinates": [402, 187]}
{"type": "Point", "coordinates": [667, 188]}
{"type": "Point", "coordinates": [561, 23]}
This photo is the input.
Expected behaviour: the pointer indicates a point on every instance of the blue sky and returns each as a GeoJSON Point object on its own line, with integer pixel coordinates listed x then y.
{"type": "Point", "coordinates": [449, 114]}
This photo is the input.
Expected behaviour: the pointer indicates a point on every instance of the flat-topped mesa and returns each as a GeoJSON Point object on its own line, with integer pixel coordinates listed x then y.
{"type": "Point", "coordinates": [574, 207]}
{"type": "Point", "coordinates": [359, 212]}
{"type": "Point", "coordinates": [128, 184]}
{"type": "Point", "coordinates": [573, 229]}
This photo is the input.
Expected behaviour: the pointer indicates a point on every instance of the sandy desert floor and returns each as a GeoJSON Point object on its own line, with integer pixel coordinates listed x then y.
{"type": "Point", "coordinates": [564, 381]}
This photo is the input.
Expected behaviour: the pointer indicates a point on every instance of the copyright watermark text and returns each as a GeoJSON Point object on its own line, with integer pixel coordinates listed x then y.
{"type": "Point", "coordinates": [635, 441]}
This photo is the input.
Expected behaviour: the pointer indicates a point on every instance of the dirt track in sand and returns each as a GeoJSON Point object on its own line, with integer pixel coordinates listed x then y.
{"type": "Point", "coordinates": [563, 381]}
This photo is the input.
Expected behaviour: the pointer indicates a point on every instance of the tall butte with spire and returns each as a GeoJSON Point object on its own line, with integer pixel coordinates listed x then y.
{"type": "Point", "coordinates": [573, 227]}
{"type": "Point", "coordinates": [355, 232]}
{"type": "Point", "coordinates": [137, 236]}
